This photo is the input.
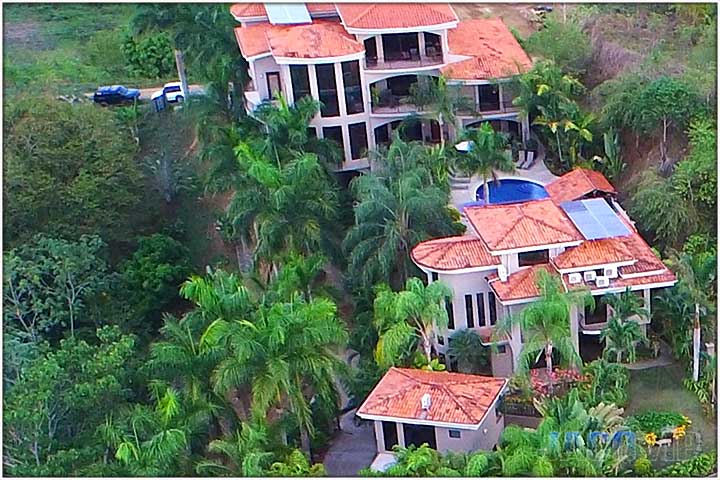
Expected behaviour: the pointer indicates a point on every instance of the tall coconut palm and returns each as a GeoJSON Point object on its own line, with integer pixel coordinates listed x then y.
{"type": "Point", "coordinates": [411, 317]}
{"type": "Point", "coordinates": [397, 207]}
{"type": "Point", "coordinates": [622, 334]}
{"type": "Point", "coordinates": [284, 207]}
{"type": "Point", "coordinates": [697, 280]}
{"type": "Point", "coordinates": [546, 324]}
{"type": "Point", "coordinates": [286, 353]}
{"type": "Point", "coordinates": [487, 153]}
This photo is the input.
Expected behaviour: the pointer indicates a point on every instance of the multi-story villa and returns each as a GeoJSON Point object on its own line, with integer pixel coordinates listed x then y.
{"type": "Point", "coordinates": [360, 60]}
{"type": "Point", "coordinates": [579, 232]}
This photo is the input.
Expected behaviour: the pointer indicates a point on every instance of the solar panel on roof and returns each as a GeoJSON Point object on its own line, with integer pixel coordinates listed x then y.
{"type": "Point", "coordinates": [595, 219]}
{"type": "Point", "coordinates": [287, 13]}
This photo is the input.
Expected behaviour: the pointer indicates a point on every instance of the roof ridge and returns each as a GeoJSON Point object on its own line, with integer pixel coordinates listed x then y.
{"type": "Point", "coordinates": [453, 396]}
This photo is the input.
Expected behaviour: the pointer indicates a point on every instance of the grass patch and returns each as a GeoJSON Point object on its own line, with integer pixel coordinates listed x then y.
{"type": "Point", "coordinates": [661, 389]}
{"type": "Point", "coordinates": [67, 48]}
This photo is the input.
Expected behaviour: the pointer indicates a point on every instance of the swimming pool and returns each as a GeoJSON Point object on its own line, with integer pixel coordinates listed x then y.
{"type": "Point", "coordinates": [512, 190]}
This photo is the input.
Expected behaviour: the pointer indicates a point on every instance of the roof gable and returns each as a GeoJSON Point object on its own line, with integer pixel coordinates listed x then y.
{"type": "Point", "coordinates": [453, 253]}
{"type": "Point", "coordinates": [494, 50]}
{"type": "Point", "coordinates": [521, 225]}
{"type": "Point", "coordinates": [519, 285]}
{"type": "Point", "coordinates": [456, 398]}
{"type": "Point", "coordinates": [576, 184]}
{"type": "Point", "coordinates": [387, 16]}
{"type": "Point", "coordinates": [594, 253]}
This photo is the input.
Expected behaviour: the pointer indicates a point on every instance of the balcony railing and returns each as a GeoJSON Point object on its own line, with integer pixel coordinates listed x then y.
{"type": "Point", "coordinates": [387, 102]}
{"type": "Point", "coordinates": [405, 60]}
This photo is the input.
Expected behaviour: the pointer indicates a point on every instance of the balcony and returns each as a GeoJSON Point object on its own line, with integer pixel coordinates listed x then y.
{"type": "Point", "coordinates": [397, 51]}
{"type": "Point", "coordinates": [389, 103]}
{"type": "Point", "coordinates": [408, 60]}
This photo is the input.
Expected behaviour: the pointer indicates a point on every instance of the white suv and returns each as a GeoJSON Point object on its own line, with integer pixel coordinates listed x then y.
{"type": "Point", "coordinates": [173, 92]}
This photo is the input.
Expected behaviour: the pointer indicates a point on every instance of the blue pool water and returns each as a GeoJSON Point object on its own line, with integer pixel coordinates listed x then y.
{"type": "Point", "coordinates": [512, 191]}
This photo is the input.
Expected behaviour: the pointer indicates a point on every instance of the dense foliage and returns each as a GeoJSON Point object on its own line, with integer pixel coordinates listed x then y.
{"type": "Point", "coordinates": [68, 172]}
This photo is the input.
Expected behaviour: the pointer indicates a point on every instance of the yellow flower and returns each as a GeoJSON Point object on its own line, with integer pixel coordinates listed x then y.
{"type": "Point", "coordinates": [679, 432]}
{"type": "Point", "coordinates": [650, 438]}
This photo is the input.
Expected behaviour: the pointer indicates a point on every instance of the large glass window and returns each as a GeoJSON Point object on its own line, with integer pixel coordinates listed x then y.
{"type": "Point", "coordinates": [358, 140]}
{"type": "Point", "coordinates": [300, 81]}
{"type": "Point", "coordinates": [451, 314]}
{"type": "Point", "coordinates": [489, 98]}
{"type": "Point", "coordinates": [433, 47]}
{"type": "Point", "coordinates": [335, 134]}
{"type": "Point", "coordinates": [327, 90]}
{"type": "Point", "coordinates": [469, 316]}
{"type": "Point", "coordinates": [492, 308]}
{"type": "Point", "coordinates": [353, 90]}
{"type": "Point", "coordinates": [481, 309]}
{"type": "Point", "coordinates": [371, 52]}
{"type": "Point", "coordinates": [533, 258]}
{"type": "Point", "coordinates": [382, 136]}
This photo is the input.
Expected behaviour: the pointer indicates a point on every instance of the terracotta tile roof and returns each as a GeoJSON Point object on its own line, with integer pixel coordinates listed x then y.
{"type": "Point", "coordinates": [456, 398]}
{"type": "Point", "coordinates": [247, 10]}
{"type": "Point", "coordinates": [576, 184]}
{"type": "Point", "coordinates": [453, 253]}
{"type": "Point", "coordinates": [250, 10]}
{"type": "Point", "coordinates": [666, 277]}
{"type": "Point", "coordinates": [647, 261]}
{"type": "Point", "coordinates": [319, 39]}
{"type": "Point", "coordinates": [519, 285]}
{"type": "Point", "coordinates": [528, 224]}
{"type": "Point", "coordinates": [371, 16]}
{"type": "Point", "coordinates": [594, 252]}
{"type": "Point", "coordinates": [495, 51]}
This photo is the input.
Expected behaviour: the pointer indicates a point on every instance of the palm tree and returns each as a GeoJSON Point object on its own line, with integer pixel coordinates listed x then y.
{"type": "Point", "coordinates": [284, 207]}
{"type": "Point", "coordinates": [398, 206]}
{"type": "Point", "coordinates": [407, 318]}
{"type": "Point", "coordinates": [247, 453]}
{"type": "Point", "coordinates": [440, 99]}
{"type": "Point", "coordinates": [697, 280]}
{"type": "Point", "coordinates": [466, 348]}
{"type": "Point", "coordinates": [286, 131]}
{"type": "Point", "coordinates": [486, 155]}
{"type": "Point", "coordinates": [622, 333]}
{"type": "Point", "coordinates": [285, 352]}
{"type": "Point", "coordinates": [546, 324]}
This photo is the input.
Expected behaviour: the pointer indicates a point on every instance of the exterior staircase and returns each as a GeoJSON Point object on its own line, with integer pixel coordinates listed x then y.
{"type": "Point", "coordinates": [458, 181]}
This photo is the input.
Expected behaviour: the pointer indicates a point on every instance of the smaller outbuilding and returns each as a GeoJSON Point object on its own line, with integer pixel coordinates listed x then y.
{"type": "Point", "coordinates": [451, 412]}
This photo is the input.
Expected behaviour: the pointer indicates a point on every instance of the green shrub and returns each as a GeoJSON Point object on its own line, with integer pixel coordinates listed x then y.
{"type": "Point", "coordinates": [150, 56]}
{"type": "Point", "coordinates": [605, 382]}
{"type": "Point", "coordinates": [564, 43]}
{"type": "Point", "coordinates": [659, 423]}
{"type": "Point", "coordinates": [643, 467]}
{"type": "Point", "coordinates": [701, 466]}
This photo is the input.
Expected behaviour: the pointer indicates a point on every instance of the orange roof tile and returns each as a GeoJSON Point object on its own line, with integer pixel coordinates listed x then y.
{"type": "Point", "coordinates": [252, 39]}
{"type": "Point", "coordinates": [666, 277]}
{"type": "Point", "coordinates": [576, 184]}
{"type": "Point", "coordinates": [495, 51]}
{"type": "Point", "coordinates": [455, 398]}
{"type": "Point", "coordinates": [247, 10]}
{"type": "Point", "coordinates": [647, 261]}
{"type": "Point", "coordinates": [594, 252]}
{"type": "Point", "coordinates": [250, 10]}
{"type": "Point", "coordinates": [453, 253]}
{"type": "Point", "coordinates": [319, 39]}
{"type": "Point", "coordinates": [519, 285]}
{"type": "Point", "coordinates": [372, 16]}
{"type": "Point", "coordinates": [528, 224]}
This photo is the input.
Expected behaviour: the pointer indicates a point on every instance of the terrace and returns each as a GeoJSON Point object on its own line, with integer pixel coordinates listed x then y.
{"type": "Point", "coordinates": [403, 51]}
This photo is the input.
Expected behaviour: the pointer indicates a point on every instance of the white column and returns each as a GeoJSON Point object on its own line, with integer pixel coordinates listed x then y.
{"type": "Point", "coordinates": [286, 82]}
{"type": "Point", "coordinates": [646, 297]}
{"type": "Point", "coordinates": [444, 41]}
{"type": "Point", "coordinates": [340, 87]}
{"type": "Point", "coordinates": [500, 97]}
{"type": "Point", "coordinates": [400, 434]}
{"type": "Point", "coordinates": [525, 126]}
{"type": "Point", "coordinates": [421, 44]}
{"type": "Point", "coordinates": [379, 49]}
{"type": "Point", "coordinates": [314, 91]}
{"type": "Point", "coordinates": [379, 437]}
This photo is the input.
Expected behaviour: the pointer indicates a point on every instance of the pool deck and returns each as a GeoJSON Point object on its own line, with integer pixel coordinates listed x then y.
{"type": "Point", "coordinates": [538, 173]}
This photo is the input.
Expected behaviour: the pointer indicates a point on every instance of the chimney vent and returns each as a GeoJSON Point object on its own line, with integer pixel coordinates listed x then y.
{"type": "Point", "coordinates": [425, 402]}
